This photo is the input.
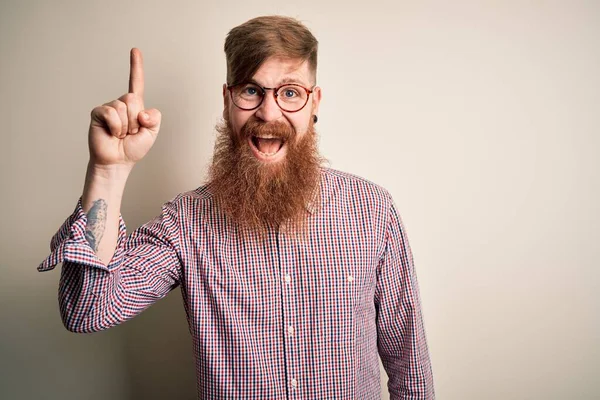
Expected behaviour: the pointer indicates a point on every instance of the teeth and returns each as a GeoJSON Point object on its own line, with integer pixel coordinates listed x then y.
{"type": "Point", "coordinates": [267, 137]}
{"type": "Point", "coordinates": [266, 154]}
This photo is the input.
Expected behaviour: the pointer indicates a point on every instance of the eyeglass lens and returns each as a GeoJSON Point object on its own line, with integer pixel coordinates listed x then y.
{"type": "Point", "coordinates": [289, 97]}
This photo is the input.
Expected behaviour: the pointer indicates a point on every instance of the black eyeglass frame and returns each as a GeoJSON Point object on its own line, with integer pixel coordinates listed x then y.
{"type": "Point", "coordinates": [264, 94]}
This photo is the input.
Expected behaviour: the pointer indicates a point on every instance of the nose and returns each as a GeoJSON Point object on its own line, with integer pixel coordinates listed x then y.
{"type": "Point", "coordinates": [269, 110]}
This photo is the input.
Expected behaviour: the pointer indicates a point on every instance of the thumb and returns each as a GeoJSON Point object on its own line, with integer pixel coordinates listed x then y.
{"type": "Point", "coordinates": [150, 118]}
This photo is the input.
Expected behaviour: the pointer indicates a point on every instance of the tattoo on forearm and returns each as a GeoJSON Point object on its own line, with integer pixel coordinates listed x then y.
{"type": "Point", "coordinates": [96, 222]}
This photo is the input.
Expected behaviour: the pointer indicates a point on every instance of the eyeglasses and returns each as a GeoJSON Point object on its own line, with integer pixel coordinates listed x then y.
{"type": "Point", "coordinates": [290, 97]}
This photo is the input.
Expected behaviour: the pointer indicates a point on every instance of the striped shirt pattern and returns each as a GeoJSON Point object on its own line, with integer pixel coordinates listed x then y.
{"type": "Point", "coordinates": [273, 316]}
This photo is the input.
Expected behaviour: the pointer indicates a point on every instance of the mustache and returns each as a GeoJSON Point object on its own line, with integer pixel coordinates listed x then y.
{"type": "Point", "coordinates": [276, 129]}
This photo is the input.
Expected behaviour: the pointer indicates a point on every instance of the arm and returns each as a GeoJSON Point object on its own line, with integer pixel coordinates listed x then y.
{"type": "Point", "coordinates": [106, 277]}
{"type": "Point", "coordinates": [400, 332]}
{"type": "Point", "coordinates": [101, 201]}
{"type": "Point", "coordinates": [145, 267]}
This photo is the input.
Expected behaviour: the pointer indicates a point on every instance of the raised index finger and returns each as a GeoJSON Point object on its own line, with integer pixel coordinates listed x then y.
{"type": "Point", "coordinates": [136, 72]}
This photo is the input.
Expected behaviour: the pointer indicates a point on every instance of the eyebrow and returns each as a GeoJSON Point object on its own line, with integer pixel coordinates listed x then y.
{"type": "Point", "coordinates": [284, 81]}
{"type": "Point", "coordinates": [291, 80]}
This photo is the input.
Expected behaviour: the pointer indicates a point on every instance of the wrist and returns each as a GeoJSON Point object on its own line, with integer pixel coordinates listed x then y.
{"type": "Point", "coordinates": [104, 182]}
{"type": "Point", "coordinates": [109, 173]}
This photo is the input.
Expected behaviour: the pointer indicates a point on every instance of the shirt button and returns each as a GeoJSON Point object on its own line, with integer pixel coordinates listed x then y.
{"type": "Point", "coordinates": [350, 278]}
{"type": "Point", "coordinates": [283, 228]}
{"type": "Point", "coordinates": [288, 278]}
{"type": "Point", "coordinates": [291, 330]}
{"type": "Point", "coordinates": [294, 383]}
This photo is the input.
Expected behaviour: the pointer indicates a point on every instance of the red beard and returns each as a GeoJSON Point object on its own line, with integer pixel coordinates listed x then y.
{"type": "Point", "coordinates": [255, 194]}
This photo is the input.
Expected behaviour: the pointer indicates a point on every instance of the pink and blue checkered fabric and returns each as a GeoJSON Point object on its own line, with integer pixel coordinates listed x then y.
{"type": "Point", "coordinates": [273, 316]}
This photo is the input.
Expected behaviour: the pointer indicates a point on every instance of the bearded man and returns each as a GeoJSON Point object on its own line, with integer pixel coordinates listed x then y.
{"type": "Point", "coordinates": [295, 277]}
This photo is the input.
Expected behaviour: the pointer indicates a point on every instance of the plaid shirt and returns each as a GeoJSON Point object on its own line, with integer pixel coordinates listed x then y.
{"type": "Point", "coordinates": [273, 316]}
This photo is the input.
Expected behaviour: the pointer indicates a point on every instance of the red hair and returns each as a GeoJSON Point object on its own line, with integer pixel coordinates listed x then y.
{"type": "Point", "coordinates": [250, 44]}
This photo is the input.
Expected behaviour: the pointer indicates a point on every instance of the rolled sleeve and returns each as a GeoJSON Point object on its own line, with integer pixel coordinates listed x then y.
{"type": "Point", "coordinates": [69, 244]}
{"type": "Point", "coordinates": [144, 268]}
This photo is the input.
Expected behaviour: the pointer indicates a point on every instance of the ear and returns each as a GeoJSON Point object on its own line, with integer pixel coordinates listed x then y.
{"type": "Point", "coordinates": [316, 99]}
{"type": "Point", "coordinates": [225, 101]}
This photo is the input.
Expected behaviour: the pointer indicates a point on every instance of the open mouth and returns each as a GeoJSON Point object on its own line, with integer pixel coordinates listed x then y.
{"type": "Point", "coordinates": [267, 146]}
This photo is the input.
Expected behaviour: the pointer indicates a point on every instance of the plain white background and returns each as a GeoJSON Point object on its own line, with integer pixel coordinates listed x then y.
{"type": "Point", "coordinates": [480, 117]}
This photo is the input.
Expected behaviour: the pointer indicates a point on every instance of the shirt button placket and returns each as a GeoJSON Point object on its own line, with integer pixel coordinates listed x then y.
{"type": "Point", "coordinates": [291, 346]}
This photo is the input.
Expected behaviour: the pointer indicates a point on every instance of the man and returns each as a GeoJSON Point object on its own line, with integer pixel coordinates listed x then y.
{"type": "Point", "coordinates": [294, 276]}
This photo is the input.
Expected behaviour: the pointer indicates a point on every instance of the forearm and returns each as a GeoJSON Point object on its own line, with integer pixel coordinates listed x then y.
{"type": "Point", "coordinates": [83, 299]}
{"type": "Point", "coordinates": [93, 300]}
{"type": "Point", "coordinates": [101, 201]}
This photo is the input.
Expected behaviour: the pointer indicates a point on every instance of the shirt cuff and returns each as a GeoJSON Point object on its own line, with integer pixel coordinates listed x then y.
{"type": "Point", "coordinates": [69, 244]}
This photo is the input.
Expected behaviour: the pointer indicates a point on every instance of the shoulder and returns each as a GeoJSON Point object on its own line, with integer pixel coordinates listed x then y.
{"type": "Point", "coordinates": [339, 183]}
{"type": "Point", "coordinates": [196, 201]}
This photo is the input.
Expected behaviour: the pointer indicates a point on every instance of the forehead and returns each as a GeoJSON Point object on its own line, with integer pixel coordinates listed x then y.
{"type": "Point", "coordinates": [276, 71]}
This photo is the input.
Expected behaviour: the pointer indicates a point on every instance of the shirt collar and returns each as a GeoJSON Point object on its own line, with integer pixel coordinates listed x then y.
{"type": "Point", "coordinates": [320, 195]}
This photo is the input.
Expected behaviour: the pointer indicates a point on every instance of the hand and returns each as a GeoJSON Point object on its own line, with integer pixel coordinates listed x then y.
{"type": "Point", "coordinates": [122, 131]}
